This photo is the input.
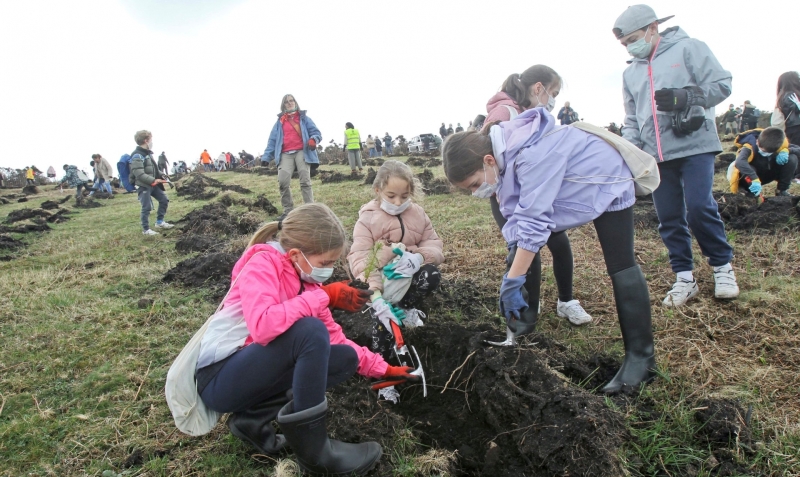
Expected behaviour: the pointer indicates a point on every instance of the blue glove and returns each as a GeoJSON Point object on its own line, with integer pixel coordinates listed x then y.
{"type": "Point", "coordinates": [512, 304]}
{"type": "Point", "coordinates": [755, 187]}
{"type": "Point", "coordinates": [783, 158]}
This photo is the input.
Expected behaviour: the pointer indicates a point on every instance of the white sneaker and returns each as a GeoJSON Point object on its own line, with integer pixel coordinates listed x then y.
{"type": "Point", "coordinates": [150, 232]}
{"type": "Point", "coordinates": [725, 286]}
{"type": "Point", "coordinates": [681, 292]}
{"type": "Point", "coordinates": [573, 311]}
{"type": "Point", "coordinates": [164, 225]}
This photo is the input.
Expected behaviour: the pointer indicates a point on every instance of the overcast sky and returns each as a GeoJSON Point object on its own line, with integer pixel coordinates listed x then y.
{"type": "Point", "coordinates": [82, 76]}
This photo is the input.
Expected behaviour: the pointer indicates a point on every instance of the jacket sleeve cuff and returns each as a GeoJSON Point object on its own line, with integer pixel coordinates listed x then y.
{"type": "Point", "coordinates": [529, 246]}
{"type": "Point", "coordinates": [317, 299]}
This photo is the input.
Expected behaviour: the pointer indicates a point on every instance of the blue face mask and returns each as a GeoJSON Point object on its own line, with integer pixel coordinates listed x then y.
{"type": "Point", "coordinates": [317, 275]}
{"type": "Point", "coordinates": [641, 48]}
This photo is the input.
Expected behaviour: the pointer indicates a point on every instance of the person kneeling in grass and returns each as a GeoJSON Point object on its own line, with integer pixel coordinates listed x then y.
{"type": "Point", "coordinates": [145, 174]}
{"type": "Point", "coordinates": [764, 156]}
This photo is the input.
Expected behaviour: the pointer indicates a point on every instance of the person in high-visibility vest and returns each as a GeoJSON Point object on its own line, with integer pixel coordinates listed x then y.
{"type": "Point", "coordinates": [352, 141]}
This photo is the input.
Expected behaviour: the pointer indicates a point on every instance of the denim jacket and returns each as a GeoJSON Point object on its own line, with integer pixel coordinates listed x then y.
{"type": "Point", "coordinates": [275, 145]}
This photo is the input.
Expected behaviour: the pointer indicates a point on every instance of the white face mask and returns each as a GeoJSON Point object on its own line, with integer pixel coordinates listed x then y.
{"type": "Point", "coordinates": [392, 209]}
{"type": "Point", "coordinates": [551, 102]}
{"type": "Point", "coordinates": [486, 190]}
{"type": "Point", "coordinates": [150, 146]}
{"type": "Point", "coordinates": [317, 275]}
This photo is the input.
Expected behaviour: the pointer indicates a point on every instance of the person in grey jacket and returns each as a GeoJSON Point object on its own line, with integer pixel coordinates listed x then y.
{"type": "Point", "coordinates": [145, 174]}
{"type": "Point", "coordinates": [685, 81]}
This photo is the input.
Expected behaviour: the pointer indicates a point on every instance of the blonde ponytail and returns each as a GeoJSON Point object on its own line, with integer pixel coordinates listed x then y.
{"type": "Point", "coordinates": [312, 228]}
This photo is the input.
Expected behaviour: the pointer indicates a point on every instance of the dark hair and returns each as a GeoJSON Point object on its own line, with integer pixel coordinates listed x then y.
{"type": "Point", "coordinates": [771, 139]}
{"type": "Point", "coordinates": [285, 96]}
{"type": "Point", "coordinates": [517, 86]}
{"type": "Point", "coordinates": [349, 126]}
{"type": "Point", "coordinates": [788, 82]}
{"type": "Point", "coordinates": [463, 153]}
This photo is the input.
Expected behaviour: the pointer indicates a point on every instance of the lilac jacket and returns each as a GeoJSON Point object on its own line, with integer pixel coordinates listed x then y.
{"type": "Point", "coordinates": [554, 182]}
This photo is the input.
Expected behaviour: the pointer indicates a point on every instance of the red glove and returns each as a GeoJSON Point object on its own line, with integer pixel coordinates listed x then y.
{"type": "Point", "coordinates": [395, 375]}
{"type": "Point", "coordinates": [345, 297]}
{"type": "Point", "coordinates": [312, 144]}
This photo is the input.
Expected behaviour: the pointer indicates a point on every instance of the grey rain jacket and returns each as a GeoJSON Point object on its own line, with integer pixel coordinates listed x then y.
{"type": "Point", "coordinates": [679, 61]}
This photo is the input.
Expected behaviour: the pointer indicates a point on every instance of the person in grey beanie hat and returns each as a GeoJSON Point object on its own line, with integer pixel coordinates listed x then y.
{"type": "Point", "coordinates": [670, 89]}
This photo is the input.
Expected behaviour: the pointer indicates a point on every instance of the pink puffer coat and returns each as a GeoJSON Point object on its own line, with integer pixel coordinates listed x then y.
{"type": "Point", "coordinates": [413, 228]}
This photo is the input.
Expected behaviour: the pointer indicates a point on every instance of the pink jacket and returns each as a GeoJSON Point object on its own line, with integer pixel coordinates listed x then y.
{"type": "Point", "coordinates": [413, 228]}
{"type": "Point", "coordinates": [496, 108]}
{"type": "Point", "coordinates": [271, 301]}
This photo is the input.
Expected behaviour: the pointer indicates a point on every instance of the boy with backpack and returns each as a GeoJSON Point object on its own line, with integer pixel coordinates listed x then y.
{"type": "Point", "coordinates": [764, 156]}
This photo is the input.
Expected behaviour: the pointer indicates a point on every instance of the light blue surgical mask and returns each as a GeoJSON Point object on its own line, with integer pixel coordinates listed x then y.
{"type": "Point", "coordinates": [764, 153]}
{"type": "Point", "coordinates": [317, 275]}
{"type": "Point", "coordinates": [486, 190]}
{"type": "Point", "coordinates": [641, 48]}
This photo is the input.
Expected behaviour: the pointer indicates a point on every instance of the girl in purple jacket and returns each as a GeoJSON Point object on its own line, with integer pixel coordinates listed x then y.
{"type": "Point", "coordinates": [549, 179]}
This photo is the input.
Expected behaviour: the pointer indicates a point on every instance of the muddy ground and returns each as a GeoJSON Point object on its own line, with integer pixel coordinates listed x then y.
{"type": "Point", "coordinates": [427, 161]}
{"type": "Point", "coordinates": [202, 187]}
{"type": "Point", "coordinates": [741, 212]}
{"type": "Point", "coordinates": [371, 174]}
{"type": "Point", "coordinates": [433, 186]}
{"type": "Point", "coordinates": [328, 177]}
{"type": "Point", "coordinates": [215, 219]}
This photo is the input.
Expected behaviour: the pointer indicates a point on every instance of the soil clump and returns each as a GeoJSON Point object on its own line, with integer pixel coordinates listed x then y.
{"type": "Point", "coordinates": [262, 203]}
{"type": "Point", "coordinates": [30, 190]}
{"type": "Point", "coordinates": [196, 243]}
{"type": "Point", "coordinates": [428, 161]}
{"type": "Point", "coordinates": [49, 205]}
{"type": "Point", "coordinates": [59, 217]}
{"type": "Point", "coordinates": [431, 185]}
{"type": "Point", "coordinates": [210, 270]}
{"type": "Point", "coordinates": [723, 161]}
{"type": "Point", "coordinates": [26, 214]}
{"type": "Point", "coordinates": [85, 202]}
{"type": "Point", "coordinates": [329, 177]}
{"type": "Point", "coordinates": [9, 243]}
{"type": "Point", "coordinates": [25, 228]}
{"type": "Point", "coordinates": [371, 175]}
{"type": "Point", "coordinates": [195, 187]}
{"type": "Point", "coordinates": [22, 199]}
{"type": "Point", "coordinates": [741, 212]}
{"type": "Point", "coordinates": [373, 161]}
{"type": "Point", "coordinates": [506, 411]}
{"type": "Point", "coordinates": [214, 219]}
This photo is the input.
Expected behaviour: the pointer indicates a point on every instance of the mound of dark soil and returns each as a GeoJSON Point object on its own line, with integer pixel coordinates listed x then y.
{"type": "Point", "coordinates": [328, 177]}
{"type": "Point", "coordinates": [25, 228]}
{"type": "Point", "coordinates": [741, 212]}
{"type": "Point", "coordinates": [64, 200]}
{"type": "Point", "coordinates": [102, 195]}
{"type": "Point", "coordinates": [9, 243]}
{"type": "Point", "coordinates": [723, 161]}
{"type": "Point", "coordinates": [506, 412]}
{"type": "Point", "coordinates": [4, 201]}
{"type": "Point", "coordinates": [49, 205]}
{"type": "Point", "coordinates": [723, 422]}
{"type": "Point", "coordinates": [433, 186]}
{"type": "Point", "coordinates": [211, 270]}
{"type": "Point", "coordinates": [30, 190]}
{"type": "Point", "coordinates": [371, 174]}
{"type": "Point", "coordinates": [229, 200]}
{"type": "Point", "coordinates": [373, 161]}
{"type": "Point", "coordinates": [428, 161]}
{"type": "Point", "coordinates": [262, 203]}
{"type": "Point", "coordinates": [194, 187]}
{"type": "Point", "coordinates": [196, 243]}
{"type": "Point", "coordinates": [59, 217]}
{"type": "Point", "coordinates": [26, 214]}
{"type": "Point", "coordinates": [214, 219]}
{"type": "Point", "coordinates": [85, 202]}
{"type": "Point", "coordinates": [22, 199]}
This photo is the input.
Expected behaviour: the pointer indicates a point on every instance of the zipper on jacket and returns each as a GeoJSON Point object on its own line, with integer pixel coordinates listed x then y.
{"type": "Point", "coordinates": [653, 106]}
{"type": "Point", "coordinates": [402, 229]}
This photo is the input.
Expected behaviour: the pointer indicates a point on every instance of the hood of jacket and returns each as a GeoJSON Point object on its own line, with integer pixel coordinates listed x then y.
{"type": "Point", "coordinates": [500, 100]}
{"type": "Point", "coordinates": [300, 112]}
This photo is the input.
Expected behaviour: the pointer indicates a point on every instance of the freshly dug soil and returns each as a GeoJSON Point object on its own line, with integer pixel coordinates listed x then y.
{"type": "Point", "coordinates": [228, 200]}
{"type": "Point", "coordinates": [30, 190]}
{"type": "Point", "coordinates": [507, 413]}
{"type": "Point", "coordinates": [86, 202]}
{"type": "Point", "coordinates": [262, 203]}
{"type": "Point", "coordinates": [10, 243]}
{"type": "Point", "coordinates": [373, 161]}
{"type": "Point", "coordinates": [723, 421]}
{"type": "Point", "coordinates": [433, 186]}
{"type": "Point", "coordinates": [24, 229]}
{"type": "Point", "coordinates": [328, 177]}
{"type": "Point", "coordinates": [22, 199]}
{"type": "Point", "coordinates": [371, 174]}
{"type": "Point", "coordinates": [102, 195]}
{"type": "Point", "coordinates": [211, 270]}
{"type": "Point", "coordinates": [723, 161]}
{"type": "Point", "coordinates": [65, 199]}
{"type": "Point", "coordinates": [741, 212]}
{"type": "Point", "coordinates": [59, 217]}
{"type": "Point", "coordinates": [196, 243]}
{"type": "Point", "coordinates": [214, 219]}
{"type": "Point", "coordinates": [194, 187]}
{"type": "Point", "coordinates": [26, 214]}
{"type": "Point", "coordinates": [49, 205]}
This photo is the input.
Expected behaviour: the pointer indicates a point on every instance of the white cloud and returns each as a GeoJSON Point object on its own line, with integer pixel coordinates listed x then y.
{"type": "Point", "coordinates": [81, 77]}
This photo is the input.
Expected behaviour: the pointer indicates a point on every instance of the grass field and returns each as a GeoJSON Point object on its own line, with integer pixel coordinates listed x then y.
{"type": "Point", "coordinates": [83, 363]}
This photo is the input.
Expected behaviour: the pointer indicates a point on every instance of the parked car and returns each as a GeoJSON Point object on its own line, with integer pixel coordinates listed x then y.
{"type": "Point", "coordinates": [417, 143]}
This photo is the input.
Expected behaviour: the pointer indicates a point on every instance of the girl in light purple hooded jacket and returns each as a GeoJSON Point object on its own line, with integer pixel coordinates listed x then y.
{"type": "Point", "coordinates": [549, 179]}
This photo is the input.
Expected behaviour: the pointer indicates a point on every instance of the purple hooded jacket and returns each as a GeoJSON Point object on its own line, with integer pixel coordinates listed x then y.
{"type": "Point", "coordinates": [554, 182]}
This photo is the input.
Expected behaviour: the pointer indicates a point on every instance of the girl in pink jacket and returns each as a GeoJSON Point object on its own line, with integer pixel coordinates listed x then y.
{"type": "Point", "coordinates": [275, 334]}
{"type": "Point", "coordinates": [394, 218]}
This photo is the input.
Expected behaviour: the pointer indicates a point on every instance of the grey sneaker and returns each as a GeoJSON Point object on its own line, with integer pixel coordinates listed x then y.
{"type": "Point", "coordinates": [681, 292]}
{"type": "Point", "coordinates": [164, 225]}
{"type": "Point", "coordinates": [150, 232]}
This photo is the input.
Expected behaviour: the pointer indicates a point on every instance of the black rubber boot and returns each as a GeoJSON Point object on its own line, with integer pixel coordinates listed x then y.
{"type": "Point", "coordinates": [526, 324]}
{"type": "Point", "coordinates": [254, 425]}
{"type": "Point", "coordinates": [307, 433]}
{"type": "Point", "coordinates": [633, 307]}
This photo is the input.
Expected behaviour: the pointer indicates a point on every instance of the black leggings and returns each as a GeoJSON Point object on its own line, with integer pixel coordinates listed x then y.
{"type": "Point", "coordinates": [560, 249]}
{"type": "Point", "coordinates": [615, 232]}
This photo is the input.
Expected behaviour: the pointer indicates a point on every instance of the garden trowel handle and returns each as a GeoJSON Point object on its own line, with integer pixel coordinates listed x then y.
{"type": "Point", "coordinates": [398, 336]}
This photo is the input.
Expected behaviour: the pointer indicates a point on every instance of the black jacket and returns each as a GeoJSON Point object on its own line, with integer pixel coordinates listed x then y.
{"type": "Point", "coordinates": [790, 111]}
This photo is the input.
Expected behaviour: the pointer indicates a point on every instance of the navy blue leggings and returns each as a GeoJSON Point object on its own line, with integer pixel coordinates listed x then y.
{"type": "Point", "coordinates": [302, 358]}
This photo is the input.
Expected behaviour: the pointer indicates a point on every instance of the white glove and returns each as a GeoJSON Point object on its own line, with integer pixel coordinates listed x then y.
{"type": "Point", "coordinates": [383, 311]}
{"type": "Point", "coordinates": [409, 264]}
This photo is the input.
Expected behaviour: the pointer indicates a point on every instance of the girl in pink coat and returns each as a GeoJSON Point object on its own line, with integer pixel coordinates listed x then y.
{"type": "Point", "coordinates": [393, 218]}
{"type": "Point", "coordinates": [278, 335]}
